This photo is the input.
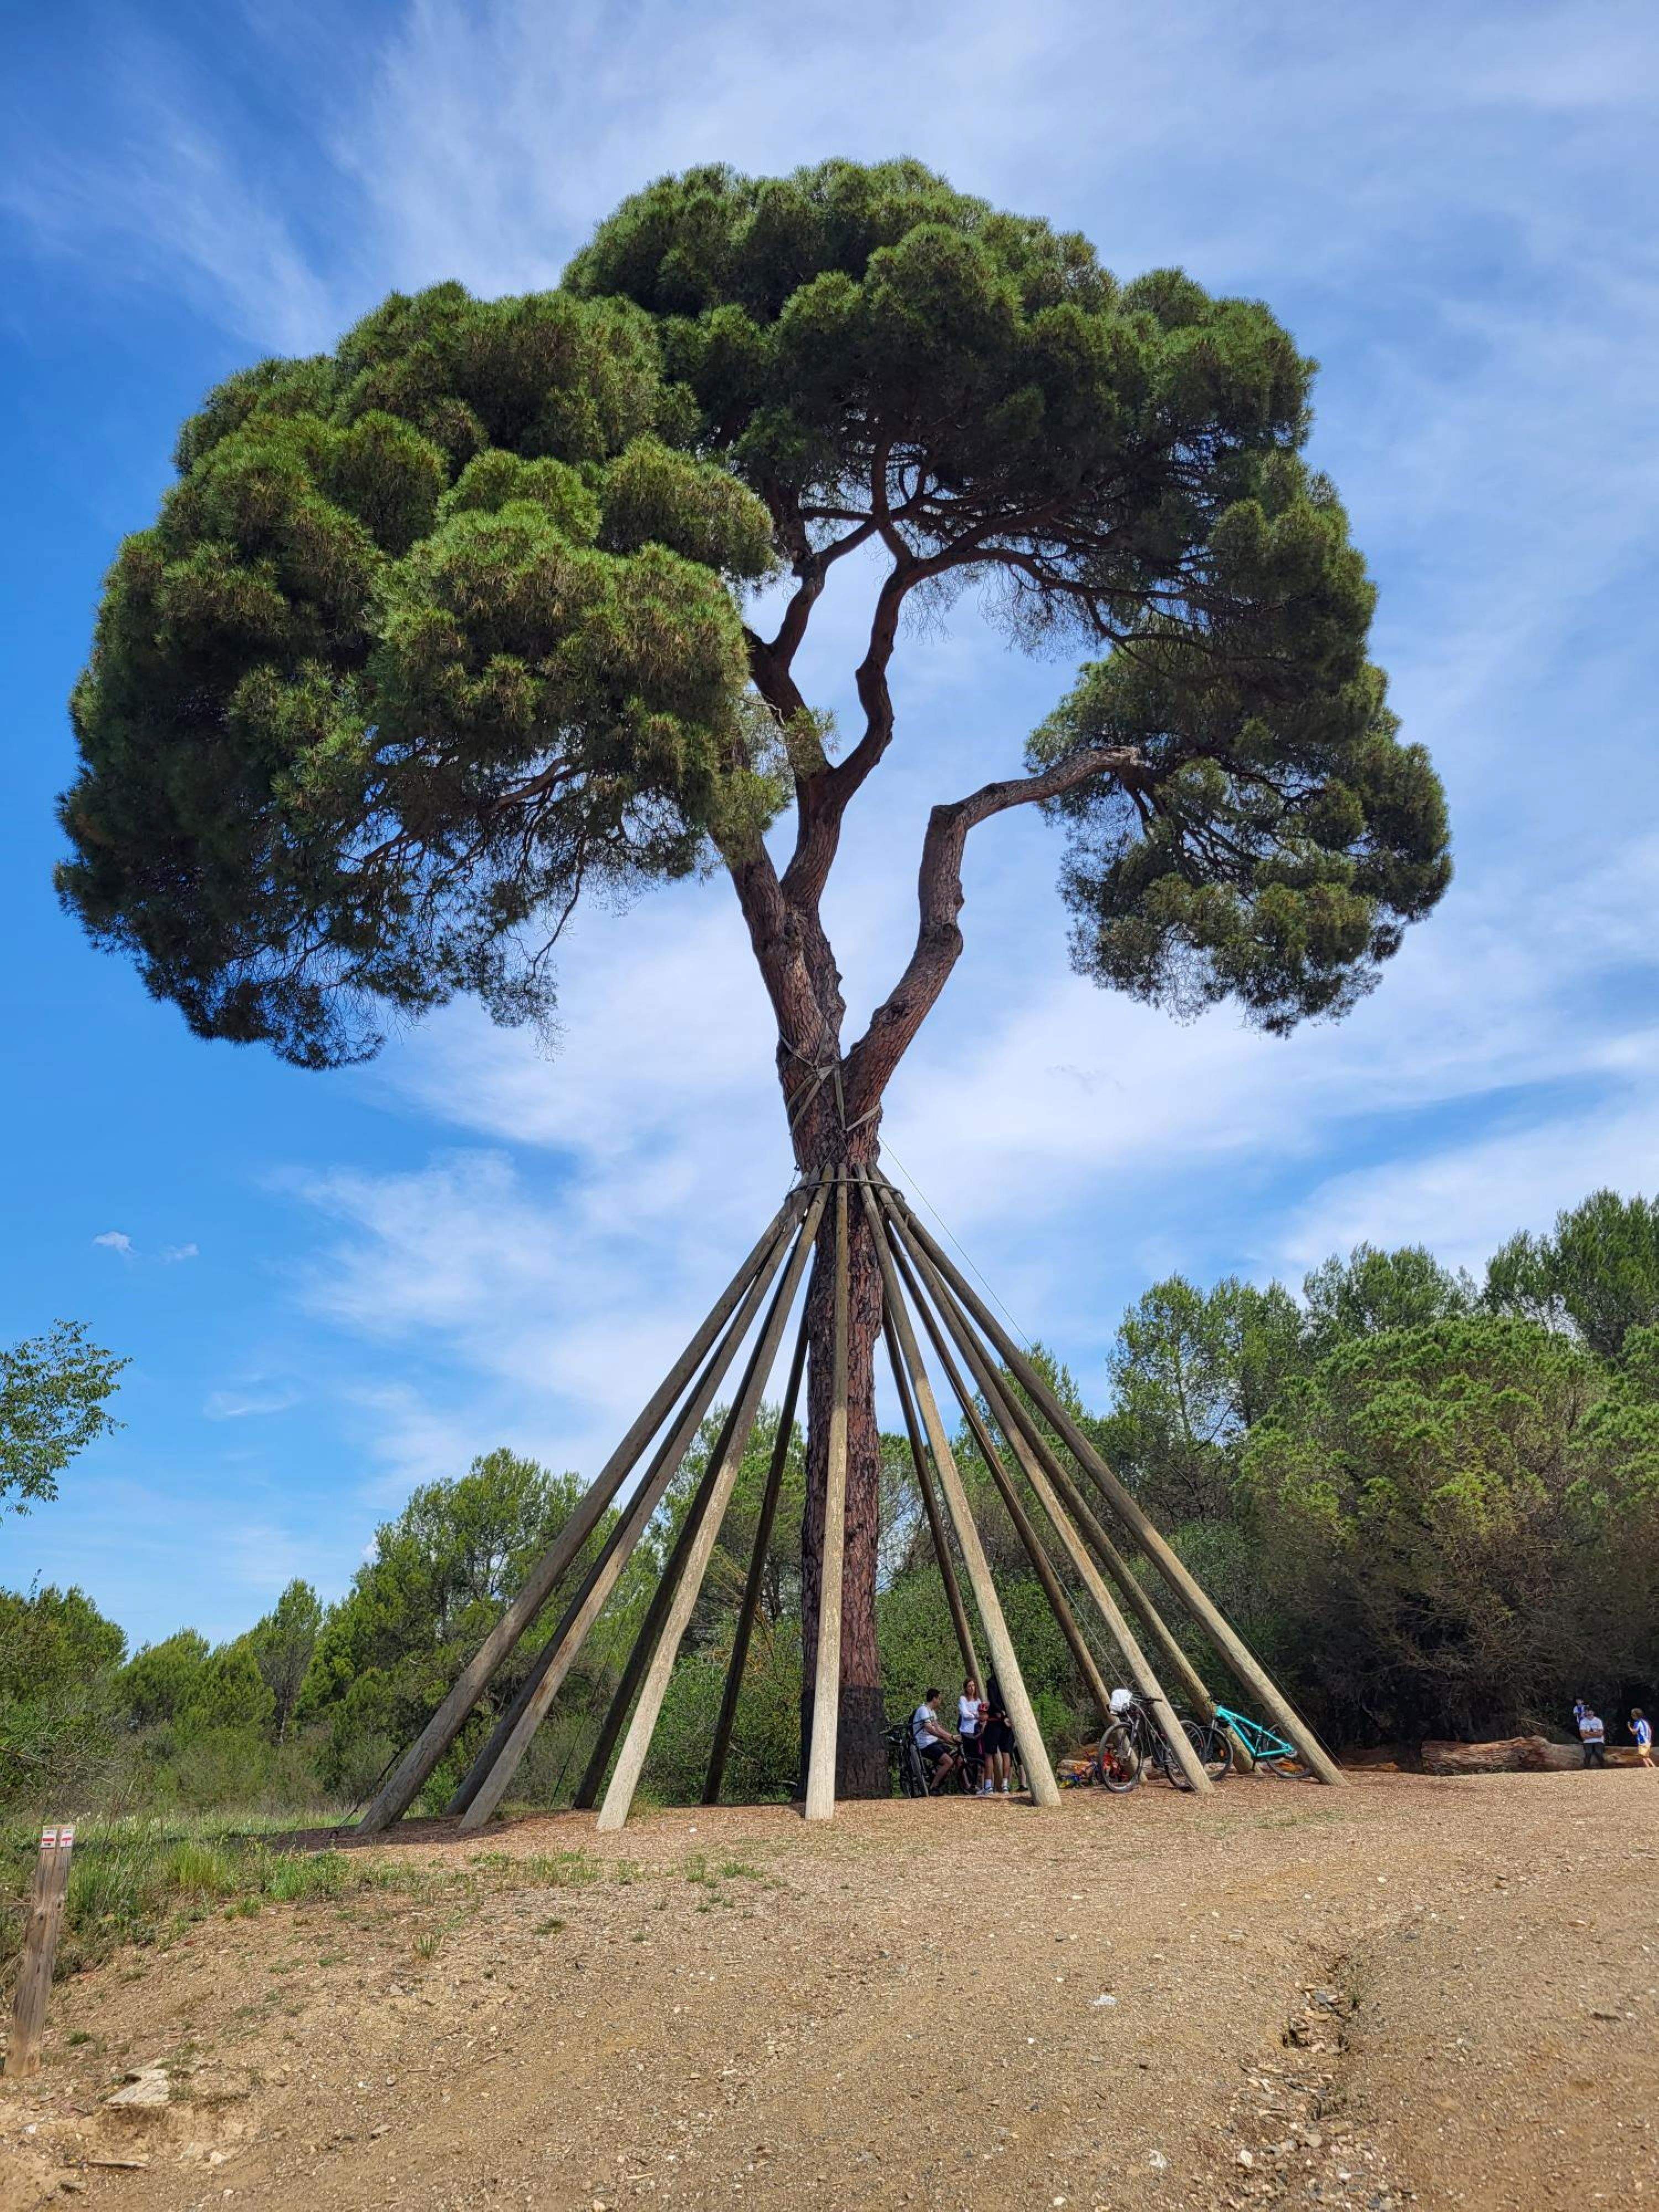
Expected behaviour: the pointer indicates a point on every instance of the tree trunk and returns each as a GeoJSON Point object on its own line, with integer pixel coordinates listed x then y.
{"type": "Point", "coordinates": [861, 1751]}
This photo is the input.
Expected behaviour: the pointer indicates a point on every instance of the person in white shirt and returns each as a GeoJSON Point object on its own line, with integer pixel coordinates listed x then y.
{"type": "Point", "coordinates": [1642, 1728]}
{"type": "Point", "coordinates": [971, 1720]}
{"type": "Point", "coordinates": [1593, 1737]}
{"type": "Point", "coordinates": [932, 1741]}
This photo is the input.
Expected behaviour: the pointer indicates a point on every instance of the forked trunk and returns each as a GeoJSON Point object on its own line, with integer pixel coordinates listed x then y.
{"type": "Point", "coordinates": [861, 1751]}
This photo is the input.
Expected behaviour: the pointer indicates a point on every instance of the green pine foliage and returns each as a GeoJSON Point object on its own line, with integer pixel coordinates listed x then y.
{"type": "Point", "coordinates": [441, 632]}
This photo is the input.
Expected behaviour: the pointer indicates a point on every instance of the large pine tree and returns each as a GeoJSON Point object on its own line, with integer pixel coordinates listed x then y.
{"type": "Point", "coordinates": [444, 630]}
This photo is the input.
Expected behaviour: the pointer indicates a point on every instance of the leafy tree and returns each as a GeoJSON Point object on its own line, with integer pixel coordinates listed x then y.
{"type": "Point", "coordinates": [418, 1607]}
{"type": "Point", "coordinates": [1598, 1273]}
{"type": "Point", "coordinates": [441, 632]}
{"type": "Point", "coordinates": [1371, 1289]}
{"type": "Point", "coordinates": [282, 1644]}
{"type": "Point", "coordinates": [1191, 1370]}
{"type": "Point", "coordinates": [54, 1391]}
{"type": "Point", "coordinates": [161, 1678]}
{"type": "Point", "coordinates": [229, 1693]}
{"type": "Point", "coordinates": [57, 1660]}
{"type": "Point", "coordinates": [1460, 1523]}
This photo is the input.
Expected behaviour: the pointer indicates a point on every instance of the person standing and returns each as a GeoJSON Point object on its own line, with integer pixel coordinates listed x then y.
{"type": "Point", "coordinates": [970, 1724]}
{"type": "Point", "coordinates": [998, 1737]}
{"type": "Point", "coordinates": [1641, 1729]}
{"type": "Point", "coordinates": [1593, 1737]}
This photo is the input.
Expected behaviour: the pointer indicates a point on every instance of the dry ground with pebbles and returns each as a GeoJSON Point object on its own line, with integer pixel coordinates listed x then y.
{"type": "Point", "coordinates": [1412, 1992]}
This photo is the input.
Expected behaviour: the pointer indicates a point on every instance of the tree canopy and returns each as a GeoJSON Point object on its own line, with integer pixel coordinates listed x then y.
{"type": "Point", "coordinates": [439, 633]}
{"type": "Point", "coordinates": [54, 1394]}
{"type": "Point", "coordinates": [1597, 1274]}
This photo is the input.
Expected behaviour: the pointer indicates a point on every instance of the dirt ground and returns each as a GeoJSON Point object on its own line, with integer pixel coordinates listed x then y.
{"type": "Point", "coordinates": [1409, 1992]}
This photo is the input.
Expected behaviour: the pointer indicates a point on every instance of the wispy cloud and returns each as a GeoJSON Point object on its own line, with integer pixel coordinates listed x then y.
{"type": "Point", "coordinates": [116, 1240]}
{"type": "Point", "coordinates": [238, 1404]}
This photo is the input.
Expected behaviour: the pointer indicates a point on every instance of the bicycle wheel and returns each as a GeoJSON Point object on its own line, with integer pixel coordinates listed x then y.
{"type": "Point", "coordinates": [1213, 1746]}
{"type": "Point", "coordinates": [1286, 1766]}
{"type": "Point", "coordinates": [1174, 1772]}
{"type": "Point", "coordinates": [1117, 1762]}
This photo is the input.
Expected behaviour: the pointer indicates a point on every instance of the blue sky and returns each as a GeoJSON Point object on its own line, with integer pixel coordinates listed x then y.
{"type": "Point", "coordinates": [333, 1287]}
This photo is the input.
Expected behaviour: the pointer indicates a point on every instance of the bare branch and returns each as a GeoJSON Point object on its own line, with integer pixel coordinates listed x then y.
{"type": "Point", "coordinates": [939, 899]}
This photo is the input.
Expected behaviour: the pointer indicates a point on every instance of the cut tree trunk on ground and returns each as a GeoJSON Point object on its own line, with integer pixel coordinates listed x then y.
{"type": "Point", "coordinates": [1513, 1754]}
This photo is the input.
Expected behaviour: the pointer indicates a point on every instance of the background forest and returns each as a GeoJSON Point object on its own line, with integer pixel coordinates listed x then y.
{"type": "Point", "coordinates": [1431, 1504]}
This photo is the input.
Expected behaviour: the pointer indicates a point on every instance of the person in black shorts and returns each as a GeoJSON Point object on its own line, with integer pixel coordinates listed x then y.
{"type": "Point", "coordinates": [997, 1740]}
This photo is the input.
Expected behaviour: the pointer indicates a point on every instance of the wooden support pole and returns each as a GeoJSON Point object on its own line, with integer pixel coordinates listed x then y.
{"type": "Point", "coordinates": [629, 1523]}
{"type": "Point", "coordinates": [484, 1785]}
{"type": "Point", "coordinates": [1140, 1672]}
{"type": "Point", "coordinates": [721, 1747]}
{"type": "Point", "coordinates": [1033, 1753]}
{"type": "Point", "coordinates": [637, 1744]}
{"type": "Point", "coordinates": [930, 1505]}
{"type": "Point", "coordinates": [826, 1679]}
{"type": "Point", "coordinates": [29, 2011]}
{"type": "Point", "coordinates": [1235, 1654]}
{"type": "Point", "coordinates": [1006, 1409]}
{"type": "Point", "coordinates": [403, 1785]}
{"type": "Point", "coordinates": [656, 1613]}
{"type": "Point", "coordinates": [1042, 1565]}
{"type": "Point", "coordinates": [662, 1597]}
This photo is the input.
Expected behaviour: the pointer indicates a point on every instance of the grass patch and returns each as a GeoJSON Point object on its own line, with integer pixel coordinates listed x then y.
{"type": "Point", "coordinates": [145, 1881]}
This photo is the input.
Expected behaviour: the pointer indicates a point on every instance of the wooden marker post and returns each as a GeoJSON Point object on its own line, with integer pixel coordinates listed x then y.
{"type": "Point", "coordinates": [28, 2011]}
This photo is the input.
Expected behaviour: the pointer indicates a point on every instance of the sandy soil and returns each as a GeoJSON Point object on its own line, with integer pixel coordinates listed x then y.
{"type": "Point", "coordinates": [1440, 1993]}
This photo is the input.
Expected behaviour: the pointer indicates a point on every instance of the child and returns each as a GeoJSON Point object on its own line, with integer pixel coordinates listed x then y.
{"type": "Point", "coordinates": [1642, 1728]}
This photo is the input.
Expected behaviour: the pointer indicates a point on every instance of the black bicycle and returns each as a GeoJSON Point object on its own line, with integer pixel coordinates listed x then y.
{"type": "Point", "coordinates": [911, 1769]}
{"type": "Point", "coordinates": [1134, 1741]}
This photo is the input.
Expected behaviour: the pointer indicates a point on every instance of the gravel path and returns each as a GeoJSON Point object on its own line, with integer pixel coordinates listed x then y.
{"type": "Point", "coordinates": [1440, 1993]}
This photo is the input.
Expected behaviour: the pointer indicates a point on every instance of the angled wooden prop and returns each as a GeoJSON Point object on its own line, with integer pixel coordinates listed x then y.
{"type": "Point", "coordinates": [607, 1571]}
{"type": "Point", "coordinates": [826, 1678]}
{"type": "Point", "coordinates": [1033, 1754]}
{"type": "Point", "coordinates": [1140, 1671]}
{"type": "Point", "coordinates": [930, 1504]}
{"type": "Point", "coordinates": [915, 1273]}
{"type": "Point", "coordinates": [1011, 1416]}
{"type": "Point", "coordinates": [986, 1444]}
{"type": "Point", "coordinates": [405, 1785]}
{"type": "Point", "coordinates": [663, 1596]}
{"type": "Point", "coordinates": [1231, 1647]}
{"type": "Point", "coordinates": [752, 1588]}
{"type": "Point", "coordinates": [630, 1760]}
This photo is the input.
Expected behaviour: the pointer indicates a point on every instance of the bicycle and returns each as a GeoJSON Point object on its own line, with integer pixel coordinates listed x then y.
{"type": "Point", "coordinates": [1271, 1753]}
{"type": "Point", "coordinates": [913, 1778]}
{"type": "Point", "coordinates": [1134, 1741]}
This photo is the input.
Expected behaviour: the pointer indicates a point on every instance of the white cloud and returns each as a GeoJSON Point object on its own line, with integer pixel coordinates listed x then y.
{"type": "Point", "coordinates": [238, 1404]}
{"type": "Point", "coordinates": [172, 1254]}
{"type": "Point", "coordinates": [116, 1240]}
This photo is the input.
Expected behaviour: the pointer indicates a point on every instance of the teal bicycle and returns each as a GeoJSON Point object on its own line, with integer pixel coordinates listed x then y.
{"type": "Point", "coordinates": [1271, 1753]}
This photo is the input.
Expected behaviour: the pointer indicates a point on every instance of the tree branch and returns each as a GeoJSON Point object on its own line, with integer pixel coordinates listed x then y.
{"type": "Point", "coordinates": [940, 897]}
